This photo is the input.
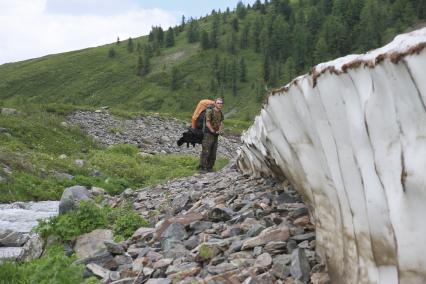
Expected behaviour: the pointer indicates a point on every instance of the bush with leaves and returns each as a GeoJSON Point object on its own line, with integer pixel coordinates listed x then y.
{"type": "Point", "coordinates": [87, 217]}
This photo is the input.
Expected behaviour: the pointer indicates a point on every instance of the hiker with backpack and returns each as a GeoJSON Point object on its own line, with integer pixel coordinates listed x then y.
{"type": "Point", "coordinates": [213, 123]}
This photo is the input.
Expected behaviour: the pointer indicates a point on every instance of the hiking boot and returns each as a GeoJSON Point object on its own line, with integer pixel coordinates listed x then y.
{"type": "Point", "coordinates": [209, 170]}
{"type": "Point", "coordinates": [202, 170]}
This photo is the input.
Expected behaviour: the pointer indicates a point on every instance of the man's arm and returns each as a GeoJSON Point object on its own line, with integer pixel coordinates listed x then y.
{"type": "Point", "coordinates": [209, 126]}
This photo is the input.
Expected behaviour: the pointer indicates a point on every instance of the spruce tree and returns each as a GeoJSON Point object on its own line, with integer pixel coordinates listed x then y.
{"type": "Point", "coordinates": [214, 35]}
{"type": "Point", "coordinates": [182, 24]}
{"type": "Point", "coordinates": [130, 45]}
{"type": "Point", "coordinates": [241, 10]}
{"type": "Point", "coordinates": [243, 70]}
{"type": "Point", "coordinates": [111, 53]}
{"type": "Point", "coordinates": [244, 39]}
{"type": "Point", "coordinates": [234, 76]}
{"type": "Point", "coordinates": [170, 38]}
{"type": "Point", "coordinates": [174, 78]}
{"type": "Point", "coordinates": [205, 42]}
{"type": "Point", "coordinates": [139, 67]}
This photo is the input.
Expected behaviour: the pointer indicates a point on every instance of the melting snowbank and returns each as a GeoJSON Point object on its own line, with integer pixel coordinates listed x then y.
{"type": "Point", "coordinates": [351, 137]}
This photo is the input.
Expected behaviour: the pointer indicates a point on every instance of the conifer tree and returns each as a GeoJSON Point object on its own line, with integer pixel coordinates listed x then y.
{"type": "Point", "coordinates": [234, 76]}
{"type": "Point", "coordinates": [118, 40]}
{"type": "Point", "coordinates": [139, 67]}
{"type": "Point", "coordinates": [235, 24]}
{"type": "Point", "coordinates": [216, 68]}
{"type": "Point", "coordinates": [111, 53]}
{"type": "Point", "coordinates": [321, 52]}
{"type": "Point", "coordinates": [214, 35]}
{"type": "Point", "coordinates": [243, 70]}
{"type": "Point", "coordinates": [289, 70]}
{"type": "Point", "coordinates": [244, 40]}
{"type": "Point", "coordinates": [174, 78]}
{"type": "Point", "coordinates": [182, 24]}
{"type": "Point", "coordinates": [130, 45]}
{"type": "Point", "coordinates": [256, 31]}
{"type": "Point", "coordinates": [170, 38]}
{"type": "Point", "coordinates": [192, 31]}
{"type": "Point", "coordinates": [241, 10]}
{"type": "Point", "coordinates": [266, 68]}
{"type": "Point", "coordinates": [205, 42]}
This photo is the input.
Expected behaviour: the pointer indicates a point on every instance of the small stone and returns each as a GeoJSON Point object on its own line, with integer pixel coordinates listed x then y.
{"type": "Point", "coordinates": [302, 221]}
{"type": "Point", "coordinates": [263, 261]}
{"type": "Point", "coordinates": [300, 268]}
{"type": "Point", "coordinates": [113, 247]}
{"type": "Point", "coordinates": [79, 163]}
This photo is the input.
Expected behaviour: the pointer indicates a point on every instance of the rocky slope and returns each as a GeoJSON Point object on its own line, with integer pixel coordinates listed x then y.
{"type": "Point", "coordinates": [152, 134]}
{"type": "Point", "coordinates": [219, 227]}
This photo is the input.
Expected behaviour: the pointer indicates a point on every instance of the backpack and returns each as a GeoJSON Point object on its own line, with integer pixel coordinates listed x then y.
{"type": "Point", "coordinates": [197, 121]}
{"type": "Point", "coordinates": [201, 120]}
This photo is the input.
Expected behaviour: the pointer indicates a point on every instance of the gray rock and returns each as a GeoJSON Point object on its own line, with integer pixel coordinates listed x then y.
{"type": "Point", "coordinates": [180, 202]}
{"type": "Point", "coordinates": [172, 269]}
{"type": "Point", "coordinates": [263, 261]}
{"type": "Point", "coordinates": [158, 281]}
{"type": "Point", "coordinates": [220, 214]}
{"type": "Point", "coordinates": [176, 231]}
{"type": "Point", "coordinates": [192, 242]}
{"type": "Point", "coordinates": [304, 237]}
{"type": "Point", "coordinates": [300, 268]}
{"type": "Point", "coordinates": [200, 226]}
{"type": "Point", "coordinates": [255, 230]}
{"type": "Point", "coordinates": [79, 163]}
{"type": "Point", "coordinates": [32, 249]}
{"type": "Point", "coordinates": [173, 248]}
{"type": "Point", "coordinates": [291, 245]}
{"type": "Point", "coordinates": [71, 197]}
{"type": "Point", "coordinates": [257, 251]}
{"type": "Point", "coordinates": [270, 234]}
{"type": "Point", "coordinates": [221, 268]}
{"type": "Point", "coordinates": [91, 244]}
{"type": "Point", "coordinates": [128, 280]}
{"type": "Point", "coordinates": [113, 247]}
{"type": "Point", "coordinates": [280, 268]}
{"type": "Point", "coordinates": [62, 176]}
{"type": "Point", "coordinates": [9, 111]}
{"type": "Point", "coordinates": [101, 259]}
{"type": "Point", "coordinates": [9, 238]}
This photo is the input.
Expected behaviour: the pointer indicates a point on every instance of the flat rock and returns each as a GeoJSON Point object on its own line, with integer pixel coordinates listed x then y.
{"type": "Point", "coordinates": [271, 234]}
{"type": "Point", "coordinates": [91, 244]}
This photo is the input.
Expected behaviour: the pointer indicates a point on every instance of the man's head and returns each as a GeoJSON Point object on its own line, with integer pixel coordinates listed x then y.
{"type": "Point", "coordinates": [218, 103]}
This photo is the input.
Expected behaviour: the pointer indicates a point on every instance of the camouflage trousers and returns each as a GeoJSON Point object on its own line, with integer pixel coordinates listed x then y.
{"type": "Point", "coordinates": [208, 152]}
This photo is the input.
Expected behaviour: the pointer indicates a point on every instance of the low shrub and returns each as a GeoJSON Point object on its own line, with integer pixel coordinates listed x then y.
{"type": "Point", "coordinates": [53, 267]}
{"type": "Point", "coordinates": [87, 217]}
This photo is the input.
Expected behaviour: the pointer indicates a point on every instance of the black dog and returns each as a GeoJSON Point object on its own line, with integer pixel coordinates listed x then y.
{"type": "Point", "coordinates": [191, 136]}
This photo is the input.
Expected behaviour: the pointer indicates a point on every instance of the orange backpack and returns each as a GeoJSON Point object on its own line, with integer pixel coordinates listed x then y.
{"type": "Point", "coordinates": [201, 106]}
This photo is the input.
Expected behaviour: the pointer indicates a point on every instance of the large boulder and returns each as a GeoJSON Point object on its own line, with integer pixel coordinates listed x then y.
{"type": "Point", "coordinates": [72, 196]}
{"type": "Point", "coordinates": [91, 244]}
{"type": "Point", "coordinates": [32, 249]}
{"type": "Point", "coordinates": [9, 238]}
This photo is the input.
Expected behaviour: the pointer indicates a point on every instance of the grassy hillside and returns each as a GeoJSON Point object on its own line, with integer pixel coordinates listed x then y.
{"type": "Point", "coordinates": [38, 154]}
{"type": "Point", "coordinates": [277, 40]}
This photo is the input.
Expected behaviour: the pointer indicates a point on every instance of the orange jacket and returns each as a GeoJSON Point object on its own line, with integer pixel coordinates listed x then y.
{"type": "Point", "coordinates": [200, 107]}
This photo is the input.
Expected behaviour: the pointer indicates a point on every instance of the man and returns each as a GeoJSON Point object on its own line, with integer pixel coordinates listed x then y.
{"type": "Point", "coordinates": [212, 129]}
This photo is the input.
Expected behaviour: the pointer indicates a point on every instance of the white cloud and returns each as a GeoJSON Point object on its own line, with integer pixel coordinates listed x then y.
{"type": "Point", "coordinates": [27, 30]}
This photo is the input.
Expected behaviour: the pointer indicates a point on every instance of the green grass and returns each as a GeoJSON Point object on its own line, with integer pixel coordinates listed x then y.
{"type": "Point", "coordinates": [88, 216]}
{"type": "Point", "coordinates": [32, 144]}
{"type": "Point", "coordinates": [90, 78]}
{"type": "Point", "coordinates": [53, 267]}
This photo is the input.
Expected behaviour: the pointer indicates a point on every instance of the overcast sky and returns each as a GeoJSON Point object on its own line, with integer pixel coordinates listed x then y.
{"type": "Point", "coordinates": [33, 28]}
